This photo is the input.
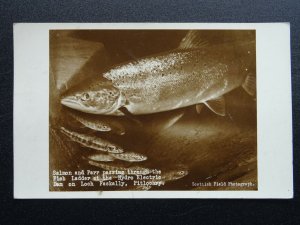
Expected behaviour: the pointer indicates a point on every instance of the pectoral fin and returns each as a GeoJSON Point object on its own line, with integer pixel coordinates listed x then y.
{"type": "Point", "coordinates": [250, 84]}
{"type": "Point", "coordinates": [217, 105]}
{"type": "Point", "coordinates": [130, 116]}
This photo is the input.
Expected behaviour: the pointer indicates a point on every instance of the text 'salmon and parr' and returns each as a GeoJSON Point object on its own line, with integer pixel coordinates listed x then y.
{"type": "Point", "coordinates": [152, 110]}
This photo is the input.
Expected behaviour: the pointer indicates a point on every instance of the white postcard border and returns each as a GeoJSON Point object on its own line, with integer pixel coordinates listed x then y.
{"type": "Point", "coordinates": [31, 111]}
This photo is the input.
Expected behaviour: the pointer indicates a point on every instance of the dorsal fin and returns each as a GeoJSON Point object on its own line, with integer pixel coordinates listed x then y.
{"type": "Point", "coordinates": [192, 41]}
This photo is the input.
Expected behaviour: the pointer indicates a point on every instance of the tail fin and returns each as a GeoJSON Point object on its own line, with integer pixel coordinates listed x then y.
{"type": "Point", "coordinates": [250, 84]}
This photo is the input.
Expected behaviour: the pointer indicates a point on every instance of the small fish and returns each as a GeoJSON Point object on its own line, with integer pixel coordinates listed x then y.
{"type": "Point", "coordinates": [174, 175]}
{"type": "Point", "coordinates": [101, 157]}
{"type": "Point", "coordinates": [192, 74]}
{"type": "Point", "coordinates": [120, 169]}
{"type": "Point", "coordinates": [107, 167]}
{"type": "Point", "coordinates": [92, 142]}
{"type": "Point", "coordinates": [99, 124]}
{"type": "Point", "coordinates": [94, 125]}
{"type": "Point", "coordinates": [130, 157]}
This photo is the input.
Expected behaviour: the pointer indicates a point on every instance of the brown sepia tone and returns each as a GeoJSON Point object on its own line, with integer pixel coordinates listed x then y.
{"type": "Point", "coordinates": [175, 101]}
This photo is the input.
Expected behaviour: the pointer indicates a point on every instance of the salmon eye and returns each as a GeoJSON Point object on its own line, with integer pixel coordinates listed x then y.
{"type": "Point", "coordinates": [85, 96]}
{"type": "Point", "coordinates": [105, 127]}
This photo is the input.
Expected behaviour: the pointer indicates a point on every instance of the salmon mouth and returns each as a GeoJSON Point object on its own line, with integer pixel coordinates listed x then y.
{"type": "Point", "coordinates": [72, 102]}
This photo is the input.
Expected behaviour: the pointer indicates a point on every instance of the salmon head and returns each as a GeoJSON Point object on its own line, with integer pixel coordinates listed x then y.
{"type": "Point", "coordinates": [96, 99]}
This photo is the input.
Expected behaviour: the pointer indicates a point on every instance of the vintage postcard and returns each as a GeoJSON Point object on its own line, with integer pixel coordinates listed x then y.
{"type": "Point", "coordinates": [152, 111]}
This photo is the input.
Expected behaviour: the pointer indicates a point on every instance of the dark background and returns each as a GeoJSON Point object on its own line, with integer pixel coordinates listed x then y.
{"type": "Point", "coordinates": [143, 211]}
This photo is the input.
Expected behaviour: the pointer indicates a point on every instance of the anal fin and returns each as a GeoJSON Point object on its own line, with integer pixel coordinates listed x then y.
{"type": "Point", "coordinates": [249, 84]}
{"type": "Point", "coordinates": [217, 105]}
{"type": "Point", "coordinates": [199, 108]}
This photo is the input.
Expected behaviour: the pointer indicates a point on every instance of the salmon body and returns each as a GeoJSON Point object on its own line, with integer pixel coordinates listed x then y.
{"type": "Point", "coordinates": [177, 79]}
{"type": "Point", "coordinates": [189, 75]}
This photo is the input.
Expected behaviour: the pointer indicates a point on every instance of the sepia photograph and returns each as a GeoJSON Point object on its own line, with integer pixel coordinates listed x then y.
{"type": "Point", "coordinates": [152, 110]}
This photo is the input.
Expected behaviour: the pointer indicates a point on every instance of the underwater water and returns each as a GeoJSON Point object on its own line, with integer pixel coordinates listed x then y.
{"type": "Point", "coordinates": [205, 146]}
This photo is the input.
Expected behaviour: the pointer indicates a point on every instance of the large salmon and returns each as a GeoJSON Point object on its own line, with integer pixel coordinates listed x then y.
{"type": "Point", "coordinates": [194, 73]}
